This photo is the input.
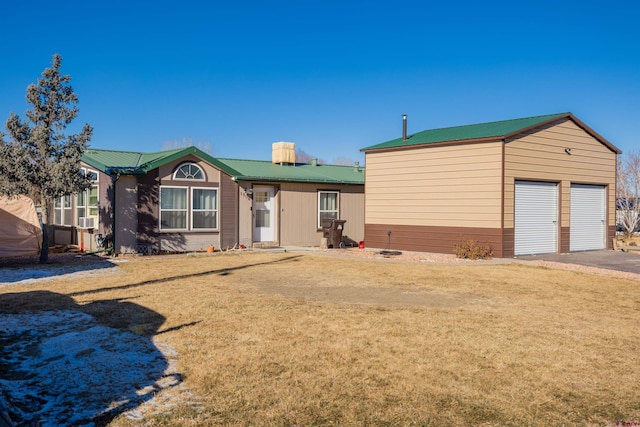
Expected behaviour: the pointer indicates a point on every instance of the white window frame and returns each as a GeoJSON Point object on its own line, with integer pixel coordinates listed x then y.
{"type": "Point", "coordinates": [66, 211]}
{"type": "Point", "coordinates": [86, 171]}
{"type": "Point", "coordinates": [193, 210]}
{"type": "Point", "coordinates": [88, 207]}
{"type": "Point", "coordinates": [189, 164]}
{"type": "Point", "coordinates": [320, 211]}
{"type": "Point", "coordinates": [186, 209]}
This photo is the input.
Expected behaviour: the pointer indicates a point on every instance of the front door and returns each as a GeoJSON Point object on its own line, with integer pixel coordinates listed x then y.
{"type": "Point", "coordinates": [264, 214]}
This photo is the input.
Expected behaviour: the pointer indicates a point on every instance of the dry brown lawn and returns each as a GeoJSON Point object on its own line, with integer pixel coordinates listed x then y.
{"type": "Point", "coordinates": [295, 339]}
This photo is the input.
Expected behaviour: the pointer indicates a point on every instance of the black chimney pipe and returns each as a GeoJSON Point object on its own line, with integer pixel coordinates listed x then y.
{"type": "Point", "coordinates": [404, 127]}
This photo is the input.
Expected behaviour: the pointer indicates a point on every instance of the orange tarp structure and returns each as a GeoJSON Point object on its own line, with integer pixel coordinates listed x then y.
{"type": "Point", "coordinates": [20, 232]}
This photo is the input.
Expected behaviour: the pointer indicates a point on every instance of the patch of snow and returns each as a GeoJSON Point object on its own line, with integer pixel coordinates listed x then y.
{"type": "Point", "coordinates": [63, 368]}
{"type": "Point", "coordinates": [35, 273]}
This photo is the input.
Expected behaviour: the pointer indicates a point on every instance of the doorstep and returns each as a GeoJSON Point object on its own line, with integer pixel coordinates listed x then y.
{"type": "Point", "coordinates": [265, 245]}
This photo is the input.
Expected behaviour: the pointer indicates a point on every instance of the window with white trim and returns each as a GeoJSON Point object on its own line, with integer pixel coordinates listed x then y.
{"type": "Point", "coordinates": [87, 206]}
{"type": "Point", "coordinates": [204, 208]}
{"type": "Point", "coordinates": [184, 208]}
{"type": "Point", "coordinates": [90, 173]}
{"type": "Point", "coordinates": [328, 206]}
{"type": "Point", "coordinates": [189, 171]}
{"type": "Point", "coordinates": [188, 208]}
{"type": "Point", "coordinates": [173, 208]}
{"type": "Point", "coordinates": [62, 211]}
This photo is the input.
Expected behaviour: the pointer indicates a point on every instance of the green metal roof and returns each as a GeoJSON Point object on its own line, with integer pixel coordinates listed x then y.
{"type": "Point", "coordinates": [136, 163]}
{"type": "Point", "coordinates": [501, 129]}
{"type": "Point", "coordinates": [258, 170]}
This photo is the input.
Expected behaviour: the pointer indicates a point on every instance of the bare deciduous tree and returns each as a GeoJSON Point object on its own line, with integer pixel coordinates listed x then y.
{"type": "Point", "coordinates": [303, 157]}
{"type": "Point", "coordinates": [188, 142]}
{"type": "Point", "coordinates": [628, 193]}
{"type": "Point", "coordinates": [343, 161]}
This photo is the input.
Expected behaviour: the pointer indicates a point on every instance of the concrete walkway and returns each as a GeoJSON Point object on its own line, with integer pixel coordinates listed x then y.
{"type": "Point", "coordinates": [610, 260]}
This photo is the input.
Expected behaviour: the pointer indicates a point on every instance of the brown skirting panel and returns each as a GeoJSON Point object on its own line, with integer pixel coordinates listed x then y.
{"type": "Point", "coordinates": [565, 235]}
{"type": "Point", "coordinates": [611, 234]}
{"type": "Point", "coordinates": [433, 239]}
{"type": "Point", "coordinates": [508, 244]}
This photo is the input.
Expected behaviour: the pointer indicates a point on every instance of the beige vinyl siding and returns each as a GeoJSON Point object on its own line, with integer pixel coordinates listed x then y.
{"type": "Point", "coordinates": [105, 210]}
{"type": "Point", "coordinates": [245, 217]}
{"type": "Point", "coordinates": [540, 156]}
{"type": "Point", "coordinates": [352, 209]}
{"type": "Point", "coordinates": [228, 212]}
{"type": "Point", "coordinates": [126, 225]}
{"type": "Point", "coordinates": [450, 186]}
{"type": "Point", "coordinates": [298, 215]}
{"type": "Point", "coordinates": [188, 242]}
{"type": "Point", "coordinates": [299, 212]}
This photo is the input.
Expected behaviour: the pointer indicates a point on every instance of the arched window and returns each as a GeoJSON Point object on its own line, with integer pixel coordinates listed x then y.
{"type": "Point", "coordinates": [189, 171]}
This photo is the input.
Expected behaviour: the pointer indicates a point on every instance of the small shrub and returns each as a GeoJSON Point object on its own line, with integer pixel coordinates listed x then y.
{"type": "Point", "coordinates": [473, 249]}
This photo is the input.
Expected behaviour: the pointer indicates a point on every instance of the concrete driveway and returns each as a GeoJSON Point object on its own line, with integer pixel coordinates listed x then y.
{"type": "Point", "coordinates": [610, 260]}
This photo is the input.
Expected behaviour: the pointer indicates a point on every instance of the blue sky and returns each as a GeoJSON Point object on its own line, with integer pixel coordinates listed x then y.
{"type": "Point", "coordinates": [331, 76]}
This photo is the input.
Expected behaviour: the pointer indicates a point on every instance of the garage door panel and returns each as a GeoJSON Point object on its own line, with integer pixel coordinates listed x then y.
{"type": "Point", "coordinates": [588, 217]}
{"type": "Point", "coordinates": [535, 218]}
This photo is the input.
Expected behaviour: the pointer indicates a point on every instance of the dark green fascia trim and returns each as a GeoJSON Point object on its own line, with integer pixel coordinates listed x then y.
{"type": "Point", "coordinates": [124, 171]}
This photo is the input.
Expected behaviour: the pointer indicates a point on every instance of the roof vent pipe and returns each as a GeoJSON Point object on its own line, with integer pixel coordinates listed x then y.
{"type": "Point", "coordinates": [404, 127]}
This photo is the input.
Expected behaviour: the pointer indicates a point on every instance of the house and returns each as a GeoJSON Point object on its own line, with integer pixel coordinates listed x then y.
{"type": "Point", "coordinates": [186, 200]}
{"type": "Point", "coordinates": [533, 185]}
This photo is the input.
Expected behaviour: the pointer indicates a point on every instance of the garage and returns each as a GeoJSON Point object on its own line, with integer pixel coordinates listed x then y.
{"type": "Point", "coordinates": [588, 217]}
{"type": "Point", "coordinates": [508, 184]}
{"type": "Point", "coordinates": [535, 218]}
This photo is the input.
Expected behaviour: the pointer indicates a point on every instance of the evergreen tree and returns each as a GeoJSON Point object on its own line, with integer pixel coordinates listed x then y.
{"type": "Point", "coordinates": [39, 160]}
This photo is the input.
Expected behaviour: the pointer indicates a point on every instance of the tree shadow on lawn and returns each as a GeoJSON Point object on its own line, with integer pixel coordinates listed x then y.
{"type": "Point", "coordinates": [67, 364]}
{"type": "Point", "coordinates": [221, 271]}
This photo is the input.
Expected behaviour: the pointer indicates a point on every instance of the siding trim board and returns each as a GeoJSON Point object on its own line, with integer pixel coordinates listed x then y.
{"type": "Point", "coordinates": [502, 185]}
{"type": "Point", "coordinates": [595, 134]}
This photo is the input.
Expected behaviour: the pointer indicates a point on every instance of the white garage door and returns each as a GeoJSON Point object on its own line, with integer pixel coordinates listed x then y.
{"type": "Point", "coordinates": [588, 218]}
{"type": "Point", "coordinates": [535, 218]}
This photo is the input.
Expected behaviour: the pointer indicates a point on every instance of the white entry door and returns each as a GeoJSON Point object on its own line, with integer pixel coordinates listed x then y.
{"type": "Point", "coordinates": [263, 214]}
